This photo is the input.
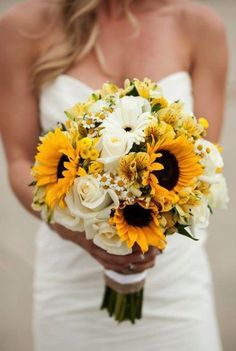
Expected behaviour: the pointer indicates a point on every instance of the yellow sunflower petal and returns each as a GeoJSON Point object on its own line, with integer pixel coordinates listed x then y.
{"type": "Point", "coordinates": [56, 166]}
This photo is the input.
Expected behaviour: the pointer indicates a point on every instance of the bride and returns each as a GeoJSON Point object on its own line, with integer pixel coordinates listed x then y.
{"type": "Point", "coordinates": [53, 53]}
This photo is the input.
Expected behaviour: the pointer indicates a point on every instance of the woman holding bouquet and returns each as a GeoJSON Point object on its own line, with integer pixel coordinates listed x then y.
{"type": "Point", "coordinates": [66, 48]}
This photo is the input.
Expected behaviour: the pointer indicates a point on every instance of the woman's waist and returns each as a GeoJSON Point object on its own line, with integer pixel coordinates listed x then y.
{"type": "Point", "coordinates": [58, 256]}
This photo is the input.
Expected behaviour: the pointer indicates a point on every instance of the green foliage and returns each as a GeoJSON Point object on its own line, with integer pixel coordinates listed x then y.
{"type": "Point", "coordinates": [138, 148]}
{"type": "Point", "coordinates": [69, 115]}
{"type": "Point", "coordinates": [133, 92]}
{"type": "Point", "coordinates": [62, 127]}
{"type": "Point", "coordinates": [210, 209]}
{"type": "Point", "coordinates": [183, 231]}
{"type": "Point", "coordinates": [146, 189]}
{"type": "Point", "coordinates": [156, 107]}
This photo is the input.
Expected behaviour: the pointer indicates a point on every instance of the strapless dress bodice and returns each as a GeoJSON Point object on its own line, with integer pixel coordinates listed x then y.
{"type": "Point", "coordinates": [65, 91]}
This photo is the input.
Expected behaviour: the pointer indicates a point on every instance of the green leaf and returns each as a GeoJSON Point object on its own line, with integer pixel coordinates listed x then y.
{"type": "Point", "coordinates": [146, 189]}
{"type": "Point", "coordinates": [139, 148]}
{"type": "Point", "coordinates": [133, 92]}
{"type": "Point", "coordinates": [69, 115]}
{"type": "Point", "coordinates": [49, 218]}
{"type": "Point", "coordinates": [210, 209]}
{"type": "Point", "coordinates": [156, 107]}
{"type": "Point", "coordinates": [62, 127]}
{"type": "Point", "coordinates": [183, 231]}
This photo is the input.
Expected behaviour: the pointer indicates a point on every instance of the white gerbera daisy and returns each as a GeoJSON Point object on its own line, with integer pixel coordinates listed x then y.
{"type": "Point", "coordinates": [131, 115]}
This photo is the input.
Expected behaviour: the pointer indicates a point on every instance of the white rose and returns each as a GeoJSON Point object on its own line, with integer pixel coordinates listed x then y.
{"type": "Point", "coordinates": [133, 106]}
{"type": "Point", "coordinates": [67, 219]}
{"type": "Point", "coordinates": [211, 161]}
{"type": "Point", "coordinates": [105, 236]}
{"type": "Point", "coordinates": [219, 193]}
{"type": "Point", "coordinates": [200, 216]}
{"type": "Point", "coordinates": [113, 145]}
{"type": "Point", "coordinates": [88, 200]}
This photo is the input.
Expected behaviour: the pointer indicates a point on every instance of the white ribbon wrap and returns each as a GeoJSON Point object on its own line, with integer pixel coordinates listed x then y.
{"type": "Point", "coordinates": [126, 278]}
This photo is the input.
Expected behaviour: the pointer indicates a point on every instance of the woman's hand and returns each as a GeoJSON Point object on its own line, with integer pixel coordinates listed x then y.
{"type": "Point", "coordinates": [135, 262]}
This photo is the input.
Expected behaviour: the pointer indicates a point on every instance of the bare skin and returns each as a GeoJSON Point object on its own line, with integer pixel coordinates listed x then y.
{"type": "Point", "coordinates": [174, 36]}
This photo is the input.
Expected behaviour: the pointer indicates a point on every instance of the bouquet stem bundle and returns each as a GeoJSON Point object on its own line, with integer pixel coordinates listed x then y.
{"type": "Point", "coordinates": [123, 301]}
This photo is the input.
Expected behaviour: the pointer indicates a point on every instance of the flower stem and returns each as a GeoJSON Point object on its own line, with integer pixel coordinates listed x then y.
{"type": "Point", "coordinates": [123, 306]}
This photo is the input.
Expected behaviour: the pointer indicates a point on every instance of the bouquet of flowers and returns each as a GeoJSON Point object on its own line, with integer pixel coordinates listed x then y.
{"type": "Point", "coordinates": [128, 167]}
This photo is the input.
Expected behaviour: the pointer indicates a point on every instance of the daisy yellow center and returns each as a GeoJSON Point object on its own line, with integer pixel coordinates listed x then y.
{"type": "Point", "coordinates": [61, 168]}
{"type": "Point", "coordinates": [168, 176]}
{"type": "Point", "coordinates": [137, 216]}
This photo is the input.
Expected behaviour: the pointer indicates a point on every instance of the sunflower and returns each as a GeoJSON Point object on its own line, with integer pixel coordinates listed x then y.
{"type": "Point", "coordinates": [180, 166]}
{"type": "Point", "coordinates": [137, 224]}
{"type": "Point", "coordinates": [56, 166]}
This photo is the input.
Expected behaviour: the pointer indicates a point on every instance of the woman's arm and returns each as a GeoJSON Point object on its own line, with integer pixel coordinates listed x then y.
{"type": "Point", "coordinates": [19, 123]}
{"type": "Point", "coordinates": [20, 129]}
{"type": "Point", "coordinates": [209, 69]}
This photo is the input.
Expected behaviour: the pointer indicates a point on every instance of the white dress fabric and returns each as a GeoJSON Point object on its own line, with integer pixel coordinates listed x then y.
{"type": "Point", "coordinates": [178, 310]}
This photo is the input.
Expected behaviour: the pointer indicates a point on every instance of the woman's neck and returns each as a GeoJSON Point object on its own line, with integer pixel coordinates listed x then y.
{"type": "Point", "coordinates": [114, 8]}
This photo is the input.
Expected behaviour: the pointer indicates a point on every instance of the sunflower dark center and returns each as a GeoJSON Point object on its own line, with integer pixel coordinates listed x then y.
{"type": "Point", "coordinates": [137, 216]}
{"type": "Point", "coordinates": [167, 177]}
{"type": "Point", "coordinates": [61, 167]}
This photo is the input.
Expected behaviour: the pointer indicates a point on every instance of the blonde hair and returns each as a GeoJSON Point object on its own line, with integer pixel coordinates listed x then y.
{"type": "Point", "coordinates": [81, 29]}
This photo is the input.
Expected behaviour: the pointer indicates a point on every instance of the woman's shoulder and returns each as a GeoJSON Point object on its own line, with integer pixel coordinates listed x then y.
{"type": "Point", "coordinates": [192, 17]}
{"type": "Point", "coordinates": [196, 17]}
{"type": "Point", "coordinates": [26, 25]}
{"type": "Point", "coordinates": [29, 15]}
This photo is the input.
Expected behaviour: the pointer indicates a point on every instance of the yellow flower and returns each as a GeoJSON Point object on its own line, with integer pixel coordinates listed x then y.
{"type": "Point", "coordinates": [56, 166]}
{"type": "Point", "coordinates": [160, 101]}
{"type": "Point", "coordinates": [85, 153]}
{"type": "Point", "coordinates": [180, 165]}
{"type": "Point", "coordinates": [78, 110]}
{"type": "Point", "coordinates": [85, 142]}
{"type": "Point", "coordinates": [146, 88]}
{"type": "Point", "coordinates": [156, 130]}
{"type": "Point", "coordinates": [189, 128]}
{"type": "Point", "coordinates": [143, 88]}
{"type": "Point", "coordinates": [165, 201]}
{"type": "Point", "coordinates": [109, 89]}
{"type": "Point", "coordinates": [172, 113]}
{"type": "Point", "coordinates": [94, 154]}
{"type": "Point", "coordinates": [137, 224]}
{"type": "Point", "coordinates": [204, 122]}
{"type": "Point", "coordinates": [96, 168]}
{"type": "Point", "coordinates": [86, 148]}
{"type": "Point", "coordinates": [132, 167]}
{"type": "Point", "coordinates": [167, 220]}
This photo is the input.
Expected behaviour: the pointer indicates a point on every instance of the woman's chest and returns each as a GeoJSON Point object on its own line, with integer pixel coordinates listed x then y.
{"type": "Point", "coordinates": [152, 49]}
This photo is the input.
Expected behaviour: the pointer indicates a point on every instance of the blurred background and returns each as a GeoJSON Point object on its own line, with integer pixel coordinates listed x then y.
{"type": "Point", "coordinates": [18, 229]}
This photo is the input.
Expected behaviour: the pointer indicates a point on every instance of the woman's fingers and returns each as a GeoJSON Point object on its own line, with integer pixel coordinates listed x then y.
{"type": "Point", "coordinates": [123, 260]}
{"type": "Point", "coordinates": [122, 264]}
{"type": "Point", "coordinates": [135, 262]}
{"type": "Point", "coordinates": [130, 269]}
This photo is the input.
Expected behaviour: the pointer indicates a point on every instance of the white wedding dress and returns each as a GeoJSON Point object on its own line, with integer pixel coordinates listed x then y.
{"type": "Point", "coordinates": [178, 311]}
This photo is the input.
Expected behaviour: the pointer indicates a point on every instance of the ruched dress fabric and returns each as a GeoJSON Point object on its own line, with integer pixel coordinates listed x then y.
{"type": "Point", "coordinates": [178, 310]}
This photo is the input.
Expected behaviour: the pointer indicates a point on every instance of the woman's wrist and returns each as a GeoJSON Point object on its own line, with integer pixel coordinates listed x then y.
{"type": "Point", "coordinates": [67, 234]}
